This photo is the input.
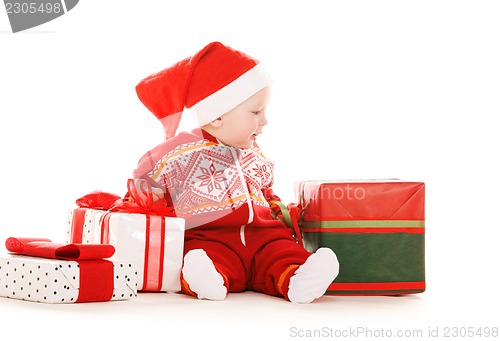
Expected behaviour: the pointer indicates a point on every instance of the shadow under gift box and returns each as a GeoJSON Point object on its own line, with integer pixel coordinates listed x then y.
{"type": "Point", "coordinates": [154, 243]}
{"type": "Point", "coordinates": [375, 227]}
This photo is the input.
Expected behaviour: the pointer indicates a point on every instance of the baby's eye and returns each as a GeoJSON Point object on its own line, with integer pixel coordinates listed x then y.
{"type": "Point", "coordinates": [257, 112]}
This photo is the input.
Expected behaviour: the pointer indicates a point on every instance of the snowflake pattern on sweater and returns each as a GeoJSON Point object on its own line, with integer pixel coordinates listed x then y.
{"type": "Point", "coordinates": [206, 177]}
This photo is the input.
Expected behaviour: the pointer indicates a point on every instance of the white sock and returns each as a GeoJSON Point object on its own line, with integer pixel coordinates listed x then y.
{"type": "Point", "coordinates": [311, 280]}
{"type": "Point", "coordinates": [202, 277]}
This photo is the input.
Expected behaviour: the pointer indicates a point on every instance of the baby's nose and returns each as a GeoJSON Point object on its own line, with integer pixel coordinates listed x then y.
{"type": "Point", "coordinates": [263, 120]}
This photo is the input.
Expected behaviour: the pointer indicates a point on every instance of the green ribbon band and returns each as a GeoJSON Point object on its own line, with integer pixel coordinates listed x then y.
{"type": "Point", "coordinates": [365, 223]}
{"type": "Point", "coordinates": [287, 219]}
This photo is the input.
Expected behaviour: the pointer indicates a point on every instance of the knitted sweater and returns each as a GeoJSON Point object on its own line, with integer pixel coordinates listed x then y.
{"type": "Point", "coordinates": [210, 184]}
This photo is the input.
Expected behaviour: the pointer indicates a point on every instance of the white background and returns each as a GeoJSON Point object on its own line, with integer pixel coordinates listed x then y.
{"type": "Point", "coordinates": [363, 89]}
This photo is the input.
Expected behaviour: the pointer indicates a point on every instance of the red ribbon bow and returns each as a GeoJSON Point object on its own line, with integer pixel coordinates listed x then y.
{"type": "Point", "coordinates": [139, 199]}
{"type": "Point", "coordinates": [97, 200]}
{"type": "Point", "coordinates": [42, 247]}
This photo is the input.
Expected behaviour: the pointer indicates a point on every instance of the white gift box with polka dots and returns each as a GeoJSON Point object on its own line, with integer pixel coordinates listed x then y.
{"type": "Point", "coordinates": [56, 281]}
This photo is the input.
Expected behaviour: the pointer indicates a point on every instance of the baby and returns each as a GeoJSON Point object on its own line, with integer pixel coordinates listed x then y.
{"type": "Point", "coordinates": [217, 178]}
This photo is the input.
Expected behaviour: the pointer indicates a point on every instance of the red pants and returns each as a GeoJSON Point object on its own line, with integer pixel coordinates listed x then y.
{"type": "Point", "coordinates": [251, 258]}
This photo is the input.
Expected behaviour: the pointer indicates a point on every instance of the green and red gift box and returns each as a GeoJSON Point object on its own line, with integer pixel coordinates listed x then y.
{"type": "Point", "coordinates": [376, 228]}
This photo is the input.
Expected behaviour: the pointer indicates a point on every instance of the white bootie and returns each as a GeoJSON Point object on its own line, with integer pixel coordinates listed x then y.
{"type": "Point", "coordinates": [200, 274]}
{"type": "Point", "coordinates": [311, 280]}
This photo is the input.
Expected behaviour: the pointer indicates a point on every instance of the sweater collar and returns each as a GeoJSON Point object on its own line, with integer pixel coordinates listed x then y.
{"type": "Point", "coordinates": [204, 135]}
{"type": "Point", "coordinates": [207, 136]}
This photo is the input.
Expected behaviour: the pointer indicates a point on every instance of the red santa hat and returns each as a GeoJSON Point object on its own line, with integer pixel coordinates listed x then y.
{"type": "Point", "coordinates": [210, 83]}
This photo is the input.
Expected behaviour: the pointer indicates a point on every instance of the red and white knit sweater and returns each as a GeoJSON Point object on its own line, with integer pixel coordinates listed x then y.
{"type": "Point", "coordinates": [211, 184]}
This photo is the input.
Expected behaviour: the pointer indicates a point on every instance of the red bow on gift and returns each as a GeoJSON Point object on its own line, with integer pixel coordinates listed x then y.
{"type": "Point", "coordinates": [139, 199]}
{"type": "Point", "coordinates": [98, 200]}
{"type": "Point", "coordinates": [41, 247]}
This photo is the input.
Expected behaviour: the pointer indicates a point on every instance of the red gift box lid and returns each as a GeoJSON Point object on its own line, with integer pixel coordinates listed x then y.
{"type": "Point", "coordinates": [361, 200]}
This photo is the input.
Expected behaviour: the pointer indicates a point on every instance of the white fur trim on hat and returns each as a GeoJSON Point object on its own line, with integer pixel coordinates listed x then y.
{"type": "Point", "coordinates": [230, 96]}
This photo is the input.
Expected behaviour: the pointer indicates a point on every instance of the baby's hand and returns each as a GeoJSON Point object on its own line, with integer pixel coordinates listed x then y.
{"type": "Point", "coordinates": [157, 194]}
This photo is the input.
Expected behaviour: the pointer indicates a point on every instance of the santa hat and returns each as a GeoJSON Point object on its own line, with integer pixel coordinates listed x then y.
{"type": "Point", "coordinates": [210, 83]}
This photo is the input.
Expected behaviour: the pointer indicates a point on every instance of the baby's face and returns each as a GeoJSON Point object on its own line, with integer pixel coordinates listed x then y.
{"type": "Point", "coordinates": [241, 126]}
